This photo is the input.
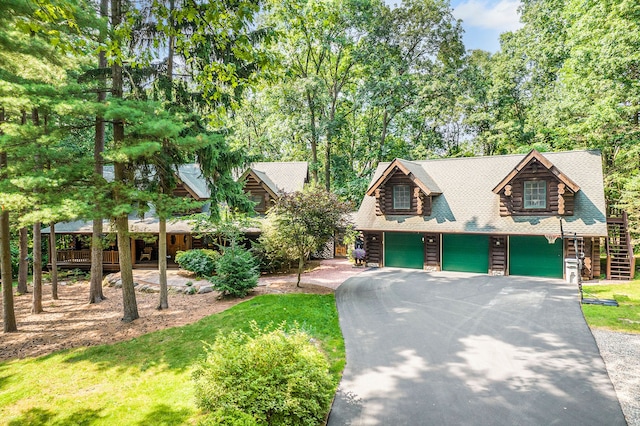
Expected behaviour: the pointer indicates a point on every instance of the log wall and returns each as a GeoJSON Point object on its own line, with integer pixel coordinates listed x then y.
{"type": "Point", "coordinates": [432, 252]}
{"type": "Point", "coordinates": [591, 248]}
{"type": "Point", "coordinates": [373, 248]}
{"type": "Point", "coordinates": [498, 255]}
{"type": "Point", "coordinates": [420, 202]}
{"type": "Point", "coordinates": [560, 200]}
{"type": "Point", "coordinates": [255, 189]}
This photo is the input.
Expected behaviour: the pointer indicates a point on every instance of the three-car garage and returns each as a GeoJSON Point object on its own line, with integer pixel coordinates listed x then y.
{"type": "Point", "coordinates": [529, 255]}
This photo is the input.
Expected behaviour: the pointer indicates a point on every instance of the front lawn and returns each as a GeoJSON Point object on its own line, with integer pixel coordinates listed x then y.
{"type": "Point", "coordinates": [626, 317]}
{"type": "Point", "coordinates": [147, 380]}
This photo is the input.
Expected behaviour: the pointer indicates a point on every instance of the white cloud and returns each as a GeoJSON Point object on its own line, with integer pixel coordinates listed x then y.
{"type": "Point", "coordinates": [486, 14]}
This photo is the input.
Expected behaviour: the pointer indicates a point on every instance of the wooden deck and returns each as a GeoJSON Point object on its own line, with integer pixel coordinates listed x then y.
{"type": "Point", "coordinates": [81, 259]}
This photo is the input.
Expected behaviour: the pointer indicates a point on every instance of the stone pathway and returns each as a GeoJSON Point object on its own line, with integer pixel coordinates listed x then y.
{"type": "Point", "coordinates": [331, 273]}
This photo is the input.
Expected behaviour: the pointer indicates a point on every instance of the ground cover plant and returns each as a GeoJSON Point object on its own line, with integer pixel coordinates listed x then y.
{"type": "Point", "coordinates": [147, 380]}
{"type": "Point", "coordinates": [626, 317]}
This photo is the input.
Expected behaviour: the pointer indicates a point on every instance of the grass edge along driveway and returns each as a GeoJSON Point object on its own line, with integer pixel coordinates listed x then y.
{"type": "Point", "coordinates": [147, 380]}
{"type": "Point", "coordinates": [624, 318]}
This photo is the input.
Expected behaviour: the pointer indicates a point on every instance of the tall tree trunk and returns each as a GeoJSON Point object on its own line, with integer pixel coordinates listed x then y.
{"type": "Point", "coordinates": [162, 264]}
{"type": "Point", "coordinates": [53, 258]}
{"type": "Point", "coordinates": [8, 316]}
{"type": "Point", "coordinates": [327, 165]}
{"type": "Point", "coordinates": [8, 312]}
{"type": "Point", "coordinates": [23, 262]}
{"type": "Point", "coordinates": [383, 135]}
{"type": "Point", "coordinates": [36, 306]}
{"type": "Point", "coordinates": [163, 303]}
{"type": "Point", "coordinates": [95, 286]}
{"type": "Point", "coordinates": [314, 138]}
{"type": "Point", "coordinates": [130, 306]}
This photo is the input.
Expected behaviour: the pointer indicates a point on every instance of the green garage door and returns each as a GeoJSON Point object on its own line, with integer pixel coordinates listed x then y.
{"type": "Point", "coordinates": [533, 256]}
{"type": "Point", "coordinates": [403, 250]}
{"type": "Point", "coordinates": [465, 253]}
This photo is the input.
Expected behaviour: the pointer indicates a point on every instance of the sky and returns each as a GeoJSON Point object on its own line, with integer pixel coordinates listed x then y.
{"type": "Point", "coordinates": [484, 20]}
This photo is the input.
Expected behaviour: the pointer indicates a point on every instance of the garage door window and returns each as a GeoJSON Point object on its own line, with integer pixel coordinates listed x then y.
{"type": "Point", "coordinates": [535, 194]}
{"type": "Point", "coordinates": [401, 197]}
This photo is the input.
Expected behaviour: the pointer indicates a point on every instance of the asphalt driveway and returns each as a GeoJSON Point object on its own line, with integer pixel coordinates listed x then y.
{"type": "Point", "coordinates": [464, 349]}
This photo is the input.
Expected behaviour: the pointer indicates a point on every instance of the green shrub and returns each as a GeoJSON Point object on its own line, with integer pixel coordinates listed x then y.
{"type": "Point", "coordinates": [272, 249]}
{"type": "Point", "coordinates": [237, 272]}
{"type": "Point", "coordinates": [200, 262]}
{"type": "Point", "coordinates": [278, 376]}
{"type": "Point", "coordinates": [228, 417]}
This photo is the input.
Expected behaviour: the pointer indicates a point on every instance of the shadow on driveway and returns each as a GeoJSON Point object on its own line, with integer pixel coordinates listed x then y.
{"type": "Point", "coordinates": [463, 349]}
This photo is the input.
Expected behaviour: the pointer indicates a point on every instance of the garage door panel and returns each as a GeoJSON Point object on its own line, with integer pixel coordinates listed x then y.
{"type": "Point", "coordinates": [403, 250]}
{"type": "Point", "coordinates": [465, 253]}
{"type": "Point", "coordinates": [533, 256]}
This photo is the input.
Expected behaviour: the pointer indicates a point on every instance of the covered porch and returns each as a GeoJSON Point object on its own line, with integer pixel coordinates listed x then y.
{"type": "Point", "coordinates": [73, 242]}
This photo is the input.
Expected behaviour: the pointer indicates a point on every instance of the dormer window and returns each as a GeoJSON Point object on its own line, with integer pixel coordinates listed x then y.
{"type": "Point", "coordinates": [401, 197]}
{"type": "Point", "coordinates": [259, 200]}
{"type": "Point", "coordinates": [535, 194]}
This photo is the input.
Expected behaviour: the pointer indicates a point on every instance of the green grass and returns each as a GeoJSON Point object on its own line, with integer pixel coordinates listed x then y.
{"type": "Point", "coordinates": [147, 380]}
{"type": "Point", "coordinates": [625, 317]}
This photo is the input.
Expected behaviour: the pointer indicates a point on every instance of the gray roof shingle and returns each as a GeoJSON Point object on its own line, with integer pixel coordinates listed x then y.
{"type": "Point", "coordinates": [468, 205]}
{"type": "Point", "coordinates": [285, 176]}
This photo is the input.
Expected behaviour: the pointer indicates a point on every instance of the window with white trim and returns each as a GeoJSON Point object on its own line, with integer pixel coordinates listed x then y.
{"type": "Point", "coordinates": [535, 194]}
{"type": "Point", "coordinates": [401, 197]}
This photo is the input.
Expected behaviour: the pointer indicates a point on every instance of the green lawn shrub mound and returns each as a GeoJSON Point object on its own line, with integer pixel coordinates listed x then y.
{"type": "Point", "coordinates": [237, 272]}
{"type": "Point", "coordinates": [279, 377]}
{"type": "Point", "coordinates": [201, 262]}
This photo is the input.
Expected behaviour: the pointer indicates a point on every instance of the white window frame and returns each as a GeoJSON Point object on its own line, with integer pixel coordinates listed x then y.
{"type": "Point", "coordinates": [401, 197]}
{"type": "Point", "coordinates": [535, 195]}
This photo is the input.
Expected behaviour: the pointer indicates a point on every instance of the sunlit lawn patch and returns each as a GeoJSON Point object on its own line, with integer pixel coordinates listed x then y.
{"type": "Point", "coordinates": [625, 317]}
{"type": "Point", "coordinates": [147, 380]}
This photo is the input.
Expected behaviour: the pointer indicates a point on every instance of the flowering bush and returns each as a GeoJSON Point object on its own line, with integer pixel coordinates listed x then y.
{"type": "Point", "coordinates": [358, 254]}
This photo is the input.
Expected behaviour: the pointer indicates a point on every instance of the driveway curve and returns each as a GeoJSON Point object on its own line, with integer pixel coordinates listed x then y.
{"type": "Point", "coordinates": [463, 349]}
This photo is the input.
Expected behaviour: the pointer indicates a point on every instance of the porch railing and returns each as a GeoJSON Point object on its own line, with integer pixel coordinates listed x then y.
{"type": "Point", "coordinates": [84, 256]}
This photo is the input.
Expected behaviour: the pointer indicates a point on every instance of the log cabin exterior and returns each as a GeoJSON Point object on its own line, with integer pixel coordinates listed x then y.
{"type": "Point", "coordinates": [263, 182]}
{"type": "Point", "coordinates": [487, 214]}
{"type": "Point", "coordinates": [274, 179]}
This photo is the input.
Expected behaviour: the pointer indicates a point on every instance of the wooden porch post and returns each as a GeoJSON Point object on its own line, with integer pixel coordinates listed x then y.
{"type": "Point", "coordinates": [133, 250]}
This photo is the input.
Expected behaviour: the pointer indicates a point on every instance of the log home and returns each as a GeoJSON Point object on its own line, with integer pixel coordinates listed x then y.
{"type": "Point", "coordinates": [263, 182]}
{"type": "Point", "coordinates": [512, 214]}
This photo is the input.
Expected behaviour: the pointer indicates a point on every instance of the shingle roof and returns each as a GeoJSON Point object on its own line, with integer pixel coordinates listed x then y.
{"type": "Point", "coordinates": [468, 205]}
{"type": "Point", "coordinates": [191, 176]}
{"type": "Point", "coordinates": [149, 224]}
{"type": "Point", "coordinates": [417, 173]}
{"type": "Point", "coordinates": [289, 176]}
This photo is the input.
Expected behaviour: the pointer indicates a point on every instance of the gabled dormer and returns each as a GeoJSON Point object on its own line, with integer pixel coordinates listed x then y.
{"type": "Point", "coordinates": [404, 188]}
{"type": "Point", "coordinates": [264, 182]}
{"type": "Point", "coordinates": [260, 189]}
{"type": "Point", "coordinates": [535, 187]}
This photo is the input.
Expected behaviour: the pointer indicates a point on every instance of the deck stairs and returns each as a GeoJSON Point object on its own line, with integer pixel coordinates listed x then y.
{"type": "Point", "coordinates": [620, 260]}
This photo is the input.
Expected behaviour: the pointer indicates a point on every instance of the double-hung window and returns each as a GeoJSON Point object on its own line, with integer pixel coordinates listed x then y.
{"type": "Point", "coordinates": [401, 197]}
{"type": "Point", "coordinates": [535, 194]}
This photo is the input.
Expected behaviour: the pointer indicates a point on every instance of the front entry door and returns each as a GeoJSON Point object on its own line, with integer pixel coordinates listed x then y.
{"type": "Point", "coordinates": [176, 243]}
